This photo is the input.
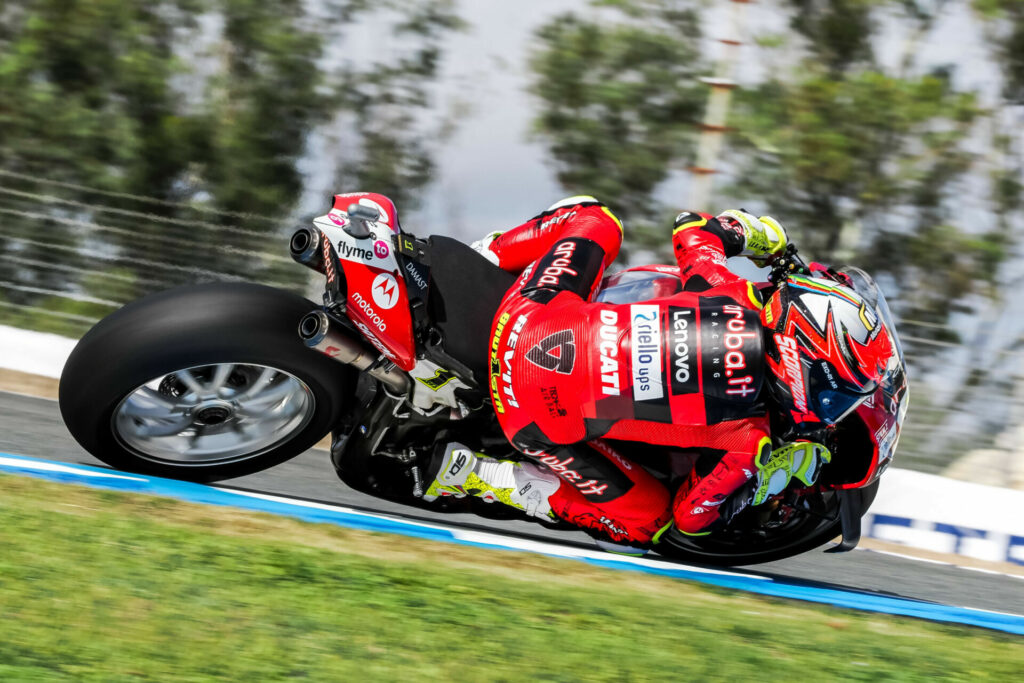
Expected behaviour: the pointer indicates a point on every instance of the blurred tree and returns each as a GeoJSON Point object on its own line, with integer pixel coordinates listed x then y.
{"type": "Point", "coordinates": [396, 157]}
{"type": "Point", "coordinates": [1009, 41]}
{"type": "Point", "coordinates": [203, 107]}
{"type": "Point", "coordinates": [863, 164]}
{"type": "Point", "coordinates": [839, 31]}
{"type": "Point", "coordinates": [860, 161]}
{"type": "Point", "coordinates": [1006, 35]}
{"type": "Point", "coordinates": [618, 99]}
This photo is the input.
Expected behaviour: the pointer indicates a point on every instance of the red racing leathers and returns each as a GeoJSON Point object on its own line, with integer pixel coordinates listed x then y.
{"type": "Point", "coordinates": [683, 371]}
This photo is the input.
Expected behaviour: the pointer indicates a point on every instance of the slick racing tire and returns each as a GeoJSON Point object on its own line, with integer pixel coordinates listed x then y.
{"type": "Point", "coordinates": [756, 545]}
{"type": "Point", "coordinates": [202, 383]}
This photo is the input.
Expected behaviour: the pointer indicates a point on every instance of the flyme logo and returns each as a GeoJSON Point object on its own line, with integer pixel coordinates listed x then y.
{"type": "Point", "coordinates": [353, 253]}
{"type": "Point", "coordinates": [608, 348]}
{"type": "Point", "coordinates": [364, 305]}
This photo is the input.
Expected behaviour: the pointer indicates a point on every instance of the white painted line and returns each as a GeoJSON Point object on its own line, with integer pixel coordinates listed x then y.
{"type": "Point", "coordinates": [302, 502]}
{"type": "Point", "coordinates": [496, 539]}
{"type": "Point", "coordinates": [909, 557]}
{"type": "Point", "coordinates": [55, 467]}
{"type": "Point", "coordinates": [319, 512]}
{"type": "Point", "coordinates": [982, 570]}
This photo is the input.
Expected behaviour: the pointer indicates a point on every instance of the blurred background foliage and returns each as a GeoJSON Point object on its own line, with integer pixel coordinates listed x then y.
{"type": "Point", "coordinates": [162, 138]}
{"type": "Point", "coordinates": [144, 145]}
{"type": "Point", "coordinates": [862, 162]}
{"type": "Point", "coordinates": [617, 101]}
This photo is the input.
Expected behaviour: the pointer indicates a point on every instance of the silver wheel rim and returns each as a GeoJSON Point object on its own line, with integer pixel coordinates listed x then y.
{"type": "Point", "coordinates": [213, 414]}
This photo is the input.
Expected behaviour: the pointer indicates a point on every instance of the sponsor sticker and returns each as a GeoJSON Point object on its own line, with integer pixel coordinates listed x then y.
{"type": "Point", "coordinates": [788, 349]}
{"type": "Point", "coordinates": [552, 402]}
{"type": "Point", "coordinates": [366, 308]}
{"type": "Point", "coordinates": [440, 379]}
{"type": "Point", "coordinates": [572, 265]}
{"type": "Point", "coordinates": [458, 463]}
{"type": "Point", "coordinates": [501, 363]}
{"type": "Point", "coordinates": [645, 336]}
{"type": "Point", "coordinates": [385, 290]}
{"type": "Point", "coordinates": [337, 217]}
{"type": "Point", "coordinates": [608, 352]}
{"type": "Point", "coordinates": [417, 277]}
{"type": "Point", "coordinates": [569, 471]}
{"type": "Point", "coordinates": [682, 350]}
{"type": "Point", "coordinates": [373, 340]}
{"type": "Point", "coordinates": [555, 352]}
{"type": "Point", "coordinates": [351, 252]}
{"type": "Point", "coordinates": [499, 329]}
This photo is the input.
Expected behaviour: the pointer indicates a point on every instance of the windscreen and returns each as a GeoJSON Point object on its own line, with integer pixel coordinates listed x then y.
{"type": "Point", "coordinates": [894, 384]}
{"type": "Point", "coordinates": [631, 286]}
{"type": "Point", "coordinates": [869, 290]}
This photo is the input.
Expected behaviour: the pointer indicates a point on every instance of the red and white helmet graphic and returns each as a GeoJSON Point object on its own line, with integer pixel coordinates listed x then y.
{"type": "Point", "coordinates": [828, 350]}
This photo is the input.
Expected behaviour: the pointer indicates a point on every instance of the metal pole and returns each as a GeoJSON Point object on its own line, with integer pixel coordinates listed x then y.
{"type": "Point", "coordinates": [713, 128]}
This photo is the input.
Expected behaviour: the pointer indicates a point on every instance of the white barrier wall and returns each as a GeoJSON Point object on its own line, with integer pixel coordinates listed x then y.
{"type": "Point", "coordinates": [914, 509]}
{"type": "Point", "coordinates": [34, 352]}
{"type": "Point", "coordinates": [949, 516]}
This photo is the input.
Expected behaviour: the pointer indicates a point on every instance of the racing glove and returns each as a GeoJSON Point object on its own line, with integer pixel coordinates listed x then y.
{"type": "Point", "coordinates": [764, 238]}
{"type": "Point", "coordinates": [776, 468]}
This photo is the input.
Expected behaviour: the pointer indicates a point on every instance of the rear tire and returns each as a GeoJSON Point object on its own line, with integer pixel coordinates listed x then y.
{"type": "Point", "coordinates": [251, 326]}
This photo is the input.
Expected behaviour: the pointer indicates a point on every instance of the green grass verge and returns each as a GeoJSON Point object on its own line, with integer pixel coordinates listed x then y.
{"type": "Point", "coordinates": [101, 586]}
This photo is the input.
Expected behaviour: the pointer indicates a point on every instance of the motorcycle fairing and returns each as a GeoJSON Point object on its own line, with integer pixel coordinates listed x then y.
{"type": "Point", "coordinates": [376, 301]}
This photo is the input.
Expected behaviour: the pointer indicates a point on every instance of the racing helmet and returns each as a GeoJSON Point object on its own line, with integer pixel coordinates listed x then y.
{"type": "Point", "coordinates": [829, 347]}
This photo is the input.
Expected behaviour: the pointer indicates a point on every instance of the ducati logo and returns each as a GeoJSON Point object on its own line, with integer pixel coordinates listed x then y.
{"type": "Point", "coordinates": [555, 352]}
{"type": "Point", "coordinates": [385, 290]}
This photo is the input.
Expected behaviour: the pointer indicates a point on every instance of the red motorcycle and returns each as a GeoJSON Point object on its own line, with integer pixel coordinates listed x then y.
{"type": "Point", "coordinates": [212, 381]}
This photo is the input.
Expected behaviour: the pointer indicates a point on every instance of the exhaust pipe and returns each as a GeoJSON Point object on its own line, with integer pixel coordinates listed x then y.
{"type": "Point", "coordinates": [315, 330]}
{"type": "Point", "coordinates": [305, 248]}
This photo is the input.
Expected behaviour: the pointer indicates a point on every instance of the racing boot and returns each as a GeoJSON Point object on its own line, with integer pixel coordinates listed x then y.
{"type": "Point", "coordinates": [628, 549]}
{"type": "Point", "coordinates": [457, 471]}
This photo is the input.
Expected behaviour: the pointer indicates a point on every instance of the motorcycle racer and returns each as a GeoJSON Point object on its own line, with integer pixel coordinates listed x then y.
{"type": "Point", "coordinates": [704, 368]}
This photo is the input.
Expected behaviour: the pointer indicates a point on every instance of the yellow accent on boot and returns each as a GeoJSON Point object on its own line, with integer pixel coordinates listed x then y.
{"type": "Point", "coordinates": [478, 488]}
{"type": "Point", "coordinates": [696, 533]}
{"type": "Point", "coordinates": [437, 489]}
{"type": "Point", "coordinates": [661, 532]}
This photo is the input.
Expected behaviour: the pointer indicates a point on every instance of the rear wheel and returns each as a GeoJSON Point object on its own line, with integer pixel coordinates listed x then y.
{"type": "Point", "coordinates": [202, 383]}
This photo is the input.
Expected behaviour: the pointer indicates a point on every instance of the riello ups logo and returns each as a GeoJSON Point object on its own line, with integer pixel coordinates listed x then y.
{"type": "Point", "coordinates": [645, 337]}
